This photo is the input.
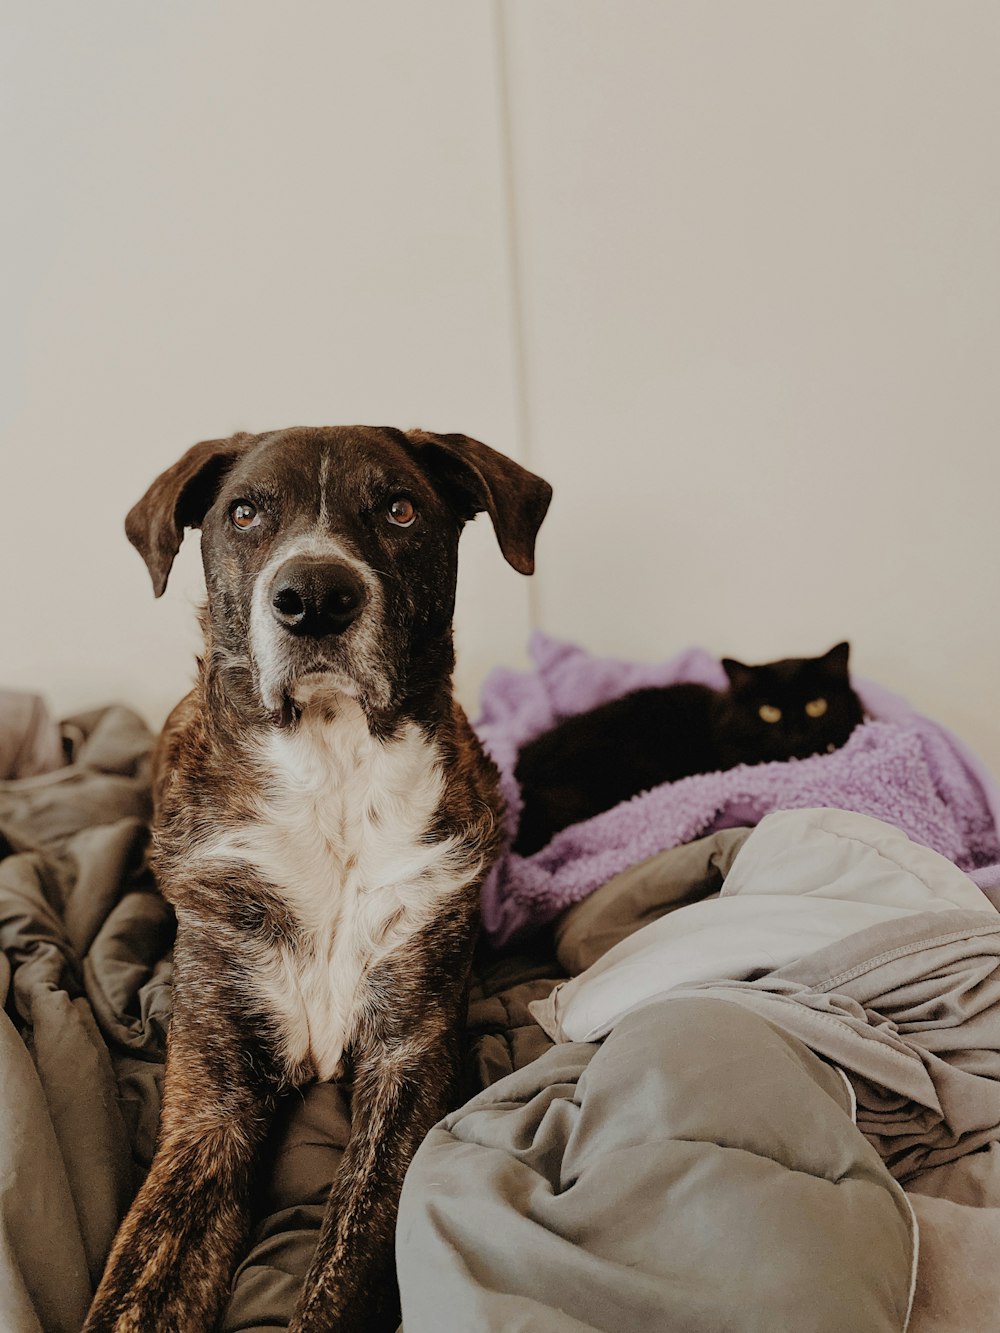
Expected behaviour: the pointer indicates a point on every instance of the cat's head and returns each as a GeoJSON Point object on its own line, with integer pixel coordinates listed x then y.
{"type": "Point", "coordinates": [789, 709]}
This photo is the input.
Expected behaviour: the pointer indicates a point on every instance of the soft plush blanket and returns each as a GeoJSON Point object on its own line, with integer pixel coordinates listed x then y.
{"type": "Point", "coordinates": [899, 767]}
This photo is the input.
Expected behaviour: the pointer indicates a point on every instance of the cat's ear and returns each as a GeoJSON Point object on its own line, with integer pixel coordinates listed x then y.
{"type": "Point", "coordinates": [836, 658]}
{"type": "Point", "coordinates": [740, 675]}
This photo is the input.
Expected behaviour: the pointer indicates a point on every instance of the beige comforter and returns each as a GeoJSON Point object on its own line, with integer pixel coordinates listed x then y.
{"type": "Point", "coordinates": [772, 1033]}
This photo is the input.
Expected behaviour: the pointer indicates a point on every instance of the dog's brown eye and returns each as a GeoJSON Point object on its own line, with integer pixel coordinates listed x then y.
{"type": "Point", "coordinates": [244, 515]}
{"type": "Point", "coordinates": [768, 713]}
{"type": "Point", "coordinates": [401, 511]}
{"type": "Point", "coordinates": [816, 707]}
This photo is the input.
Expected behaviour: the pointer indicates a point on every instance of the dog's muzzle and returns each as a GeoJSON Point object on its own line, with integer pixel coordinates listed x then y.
{"type": "Point", "coordinates": [315, 599]}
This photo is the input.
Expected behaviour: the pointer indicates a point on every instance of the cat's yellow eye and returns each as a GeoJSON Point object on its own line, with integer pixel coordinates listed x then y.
{"type": "Point", "coordinates": [768, 713]}
{"type": "Point", "coordinates": [816, 707]}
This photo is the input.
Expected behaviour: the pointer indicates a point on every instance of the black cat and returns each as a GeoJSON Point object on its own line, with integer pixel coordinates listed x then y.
{"type": "Point", "coordinates": [592, 761]}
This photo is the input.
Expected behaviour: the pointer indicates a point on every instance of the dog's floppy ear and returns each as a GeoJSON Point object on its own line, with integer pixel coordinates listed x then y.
{"type": "Point", "coordinates": [179, 498]}
{"type": "Point", "coordinates": [475, 478]}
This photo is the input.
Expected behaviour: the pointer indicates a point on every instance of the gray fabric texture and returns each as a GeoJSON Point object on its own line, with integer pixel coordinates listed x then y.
{"type": "Point", "coordinates": [44, 1277]}
{"type": "Point", "coordinates": [645, 892]}
{"type": "Point", "coordinates": [74, 841]}
{"type": "Point", "coordinates": [30, 742]}
{"type": "Point", "coordinates": [909, 1007]}
{"type": "Point", "coordinates": [86, 975]}
{"type": "Point", "coordinates": [623, 1186]}
{"type": "Point", "coordinates": [85, 971]}
{"type": "Point", "coordinates": [911, 1012]}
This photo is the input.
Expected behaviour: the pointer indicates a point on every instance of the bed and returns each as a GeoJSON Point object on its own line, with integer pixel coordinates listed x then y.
{"type": "Point", "coordinates": [747, 1080]}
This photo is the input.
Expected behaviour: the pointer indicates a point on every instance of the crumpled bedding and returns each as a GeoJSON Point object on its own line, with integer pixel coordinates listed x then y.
{"type": "Point", "coordinates": [85, 971]}
{"type": "Point", "coordinates": [79, 1098]}
{"type": "Point", "coordinates": [30, 742]}
{"type": "Point", "coordinates": [899, 767]}
{"type": "Point", "coordinates": [885, 961]}
{"type": "Point", "coordinates": [698, 1170]}
{"type": "Point", "coordinates": [904, 1009]}
{"type": "Point", "coordinates": [798, 882]}
{"type": "Point", "coordinates": [85, 974]}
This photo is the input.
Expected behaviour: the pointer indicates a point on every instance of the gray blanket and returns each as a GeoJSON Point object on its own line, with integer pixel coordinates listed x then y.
{"type": "Point", "coordinates": [678, 1175]}
{"type": "Point", "coordinates": [30, 742]}
{"type": "Point", "coordinates": [85, 973]}
{"type": "Point", "coordinates": [608, 1186]}
{"type": "Point", "coordinates": [622, 1187]}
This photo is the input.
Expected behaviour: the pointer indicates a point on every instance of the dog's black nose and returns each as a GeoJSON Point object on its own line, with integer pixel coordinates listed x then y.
{"type": "Point", "coordinates": [315, 598]}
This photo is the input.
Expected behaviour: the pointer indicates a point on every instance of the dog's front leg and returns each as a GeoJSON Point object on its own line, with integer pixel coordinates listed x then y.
{"type": "Point", "coordinates": [173, 1257]}
{"type": "Point", "coordinates": [401, 1088]}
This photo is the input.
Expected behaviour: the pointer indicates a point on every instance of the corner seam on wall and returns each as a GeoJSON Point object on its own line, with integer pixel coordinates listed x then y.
{"type": "Point", "coordinates": [518, 338]}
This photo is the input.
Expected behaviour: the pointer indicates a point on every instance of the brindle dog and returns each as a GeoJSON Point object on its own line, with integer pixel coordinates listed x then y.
{"type": "Point", "coordinates": [324, 819]}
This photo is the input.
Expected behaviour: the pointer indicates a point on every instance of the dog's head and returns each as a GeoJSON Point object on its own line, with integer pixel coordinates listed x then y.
{"type": "Point", "coordinates": [330, 554]}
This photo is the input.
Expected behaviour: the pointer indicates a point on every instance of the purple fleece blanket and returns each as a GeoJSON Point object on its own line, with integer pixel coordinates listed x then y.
{"type": "Point", "coordinates": [899, 766]}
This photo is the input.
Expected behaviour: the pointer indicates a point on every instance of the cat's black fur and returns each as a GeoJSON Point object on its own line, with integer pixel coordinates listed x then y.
{"type": "Point", "coordinates": [592, 761]}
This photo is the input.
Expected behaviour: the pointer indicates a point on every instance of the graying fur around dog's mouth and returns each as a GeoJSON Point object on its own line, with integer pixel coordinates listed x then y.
{"type": "Point", "coordinates": [320, 679]}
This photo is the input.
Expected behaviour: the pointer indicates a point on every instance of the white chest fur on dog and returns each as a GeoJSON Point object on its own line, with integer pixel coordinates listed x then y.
{"type": "Point", "coordinates": [341, 839]}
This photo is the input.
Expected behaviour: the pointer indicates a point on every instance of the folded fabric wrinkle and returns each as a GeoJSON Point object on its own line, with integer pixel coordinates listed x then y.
{"type": "Point", "coordinates": [30, 741]}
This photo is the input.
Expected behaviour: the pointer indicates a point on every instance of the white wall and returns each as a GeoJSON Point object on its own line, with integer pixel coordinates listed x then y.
{"type": "Point", "coordinates": [761, 290]}
{"type": "Point", "coordinates": [234, 216]}
{"type": "Point", "coordinates": [727, 274]}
